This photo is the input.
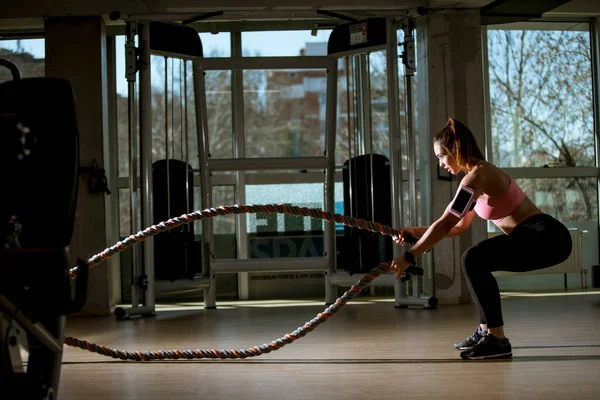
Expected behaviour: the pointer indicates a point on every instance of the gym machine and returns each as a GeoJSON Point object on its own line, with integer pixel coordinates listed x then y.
{"type": "Point", "coordinates": [38, 134]}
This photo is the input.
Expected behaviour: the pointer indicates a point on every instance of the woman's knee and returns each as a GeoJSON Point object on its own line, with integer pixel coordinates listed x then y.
{"type": "Point", "coordinates": [472, 260]}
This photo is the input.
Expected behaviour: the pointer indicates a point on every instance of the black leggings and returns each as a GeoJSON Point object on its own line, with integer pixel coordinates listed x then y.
{"type": "Point", "coordinates": [538, 242]}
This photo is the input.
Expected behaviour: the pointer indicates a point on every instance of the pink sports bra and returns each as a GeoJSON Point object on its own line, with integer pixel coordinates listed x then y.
{"type": "Point", "coordinates": [498, 208]}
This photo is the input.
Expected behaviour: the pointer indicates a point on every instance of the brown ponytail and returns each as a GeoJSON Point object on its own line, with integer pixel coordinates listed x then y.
{"type": "Point", "coordinates": [459, 141]}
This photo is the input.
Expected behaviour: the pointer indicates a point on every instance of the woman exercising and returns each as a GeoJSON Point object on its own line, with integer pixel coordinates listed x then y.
{"type": "Point", "coordinates": [532, 239]}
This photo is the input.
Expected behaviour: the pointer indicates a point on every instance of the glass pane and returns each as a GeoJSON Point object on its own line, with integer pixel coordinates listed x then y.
{"type": "Point", "coordinates": [218, 105]}
{"type": "Point", "coordinates": [123, 107]}
{"type": "Point", "coordinates": [541, 97]}
{"type": "Point", "coordinates": [120, 67]}
{"type": "Point", "coordinates": [27, 54]}
{"type": "Point", "coordinates": [125, 213]}
{"type": "Point", "coordinates": [284, 43]}
{"type": "Point", "coordinates": [345, 111]}
{"type": "Point", "coordinates": [338, 199]}
{"type": "Point", "coordinates": [284, 113]}
{"type": "Point", "coordinates": [218, 45]}
{"type": "Point", "coordinates": [198, 206]}
{"type": "Point", "coordinates": [225, 243]}
{"type": "Point", "coordinates": [379, 103]}
{"type": "Point", "coordinates": [173, 115]}
{"type": "Point", "coordinates": [283, 235]}
{"type": "Point", "coordinates": [567, 199]}
{"type": "Point", "coordinates": [406, 210]}
{"type": "Point", "coordinates": [348, 117]}
{"type": "Point", "coordinates": [417, 129]}
{"type": "Point", "coordinates": [168, 108]}
{"type": "Point", "coordinates": [224, 196]}
{"type": "Point", "coordinates": [189, 112]}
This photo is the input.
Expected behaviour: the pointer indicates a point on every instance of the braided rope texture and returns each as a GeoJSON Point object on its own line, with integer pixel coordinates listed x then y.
{"type": "Point", "coordinates": [252, 351]}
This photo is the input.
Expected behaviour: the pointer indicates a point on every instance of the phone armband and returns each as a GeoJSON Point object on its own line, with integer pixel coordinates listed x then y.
{"type": "Point", "coordinates": [463, 202]}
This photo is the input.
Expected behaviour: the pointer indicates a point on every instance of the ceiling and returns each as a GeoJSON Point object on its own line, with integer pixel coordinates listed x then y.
{"type": "Point", "coordinates": [232, 10]}
{"type": "Point", "coordinates": [212, 15]}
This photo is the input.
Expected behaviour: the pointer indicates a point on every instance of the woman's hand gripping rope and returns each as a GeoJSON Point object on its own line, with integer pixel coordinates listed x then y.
{"type": "Point", "coordinates": [400, 265]}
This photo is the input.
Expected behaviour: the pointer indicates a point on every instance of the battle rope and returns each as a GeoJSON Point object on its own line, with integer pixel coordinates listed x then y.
{"type": "Point", "coordinates": [252, 351]}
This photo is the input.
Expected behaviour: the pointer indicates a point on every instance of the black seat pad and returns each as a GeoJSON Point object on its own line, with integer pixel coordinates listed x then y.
{"type": "Point", "coordinates": [39, 158]}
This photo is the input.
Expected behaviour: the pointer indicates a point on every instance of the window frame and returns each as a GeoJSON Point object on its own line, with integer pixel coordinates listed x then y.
{"type": "Point", "coordinates": [554, 172]}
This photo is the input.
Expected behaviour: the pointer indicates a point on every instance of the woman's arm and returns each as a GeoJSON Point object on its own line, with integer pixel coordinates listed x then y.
{"type": "Point", "coordinates": [447, 225]}
{"type": "Point", "coordinates": [436, 232]}
{"type": "Point", "coordinates": [418, 231]}
{"type": "Point", "coordinates": [455, 220]}
{"type": "Point", "coordinates": [457, 217]}
{"type": "Point", "coordinates": [462, 225]}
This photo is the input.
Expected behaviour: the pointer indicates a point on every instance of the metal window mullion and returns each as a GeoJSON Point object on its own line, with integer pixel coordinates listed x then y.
{"type": "Point", "coordinates": [349, 64]}
{"type": "Point", "coordinates": [359, 144]}
{"type": "Point", "coordinates": [365, 85]}
{"type": "Point", "coordinates": [594, 25]}
{"type": "Point", "coordinates": [364, 50]}
{"type": "Point", "coordinates": [239, 140]}
{"type": "Point", "coordinates": [264, 63]}
{"type": "Point", "coordinates": [285, 178]}
{"type": "Point", "coordinates": [145, 114]}
{"type": "Point", "coordinates": [273, 178]}
{"type": "Point", "coordinates": [132, 128]}
{"type": "Point", "coordinates": [186, 139]}
{"type": "Point", "coordinates": [256, 178]}
{"type": "Point", "coordinates": [488, 148]}
{"type": "Point", "coordinates": [393, 86]}
{"type": "Point", "coordinates": [329, 189]}
{"type": "Point", "coordinates": [202, 138]}
{"type": "Point", "coordinates": [271, 264]}
{"type": "Point", "coordinates": [270, 163]}
{"type": "Point", "coordinates": [412, 155]}
{"type": "Point", "coordinates": [408, 29]}
{"type": "Point", "coordinates": [111, 155]}
{"type": "Point", "coordinates": [595, 50]}
{"type": "Point", "coordinates": [166, 113]}
{"type": "Point", "coordinates": [539, 173]}
{"type": "Point", "coordinates": [205, 183]}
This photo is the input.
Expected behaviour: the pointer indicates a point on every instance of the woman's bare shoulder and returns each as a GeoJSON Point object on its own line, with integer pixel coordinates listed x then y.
{"type": "Point", "coordinates": [490, 179]}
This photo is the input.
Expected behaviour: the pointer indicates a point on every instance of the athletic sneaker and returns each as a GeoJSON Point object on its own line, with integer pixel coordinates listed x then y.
{"type": "Point", "coordinates": [471, 341]}
{"type": "Point", "coordinates": [489, 347]}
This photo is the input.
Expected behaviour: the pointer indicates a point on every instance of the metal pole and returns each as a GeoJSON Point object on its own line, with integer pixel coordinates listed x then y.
{"type": "Point", "coordinates": [185, 139]}
{"type": "Point", "coordinates": [359, 129]}
{"type": "Point", "coordinates": [146, 158]}
{"type": "Point", "coordinates": [330, 137]}
{"type": "Point", "coordinates": [595, 51]}
{"type": "Point", "coordinates": [411, 143]}
{"type": "Point", "coordinates": [368, 134]}
{"type": "Point", "coordinates": [173, 108]}
{"type": "Point", "coordinates": [395, 145]}
{"type": "Point", "coordinates": [412, 170]}
{"type": "Point", "coordinates": [365, 95]}
{"type": "Point", "coordinates": [166, 95]}
{"type": "Point", "coordinates": [34, 328]}
{"type": "Point", "coordinates": [409, 48]}
{"type": "Point", "coordinates": [489, 154]}
{"type": "Point", "coordinates": [131, 70]}
{"type": "Point", "coordinates": [210, 295]}
{"type": "Point", "coordinates": [237, 112]}
{"type": "Point", "coordinates": [350, 122]}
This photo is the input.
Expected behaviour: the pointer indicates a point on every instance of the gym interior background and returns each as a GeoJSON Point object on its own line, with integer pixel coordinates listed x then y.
{"type": "Point", "coordinates": [274, 108]}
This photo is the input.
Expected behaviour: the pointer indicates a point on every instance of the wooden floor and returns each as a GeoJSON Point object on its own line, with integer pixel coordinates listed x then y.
{"type": "Point", "coordinates": [368, 349]}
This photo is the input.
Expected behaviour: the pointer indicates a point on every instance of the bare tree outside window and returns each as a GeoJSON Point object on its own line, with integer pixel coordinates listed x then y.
{"type": "Point", "coordinates": [26, 54]}
{"type": "Point", "coordinates": [542, 113]}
